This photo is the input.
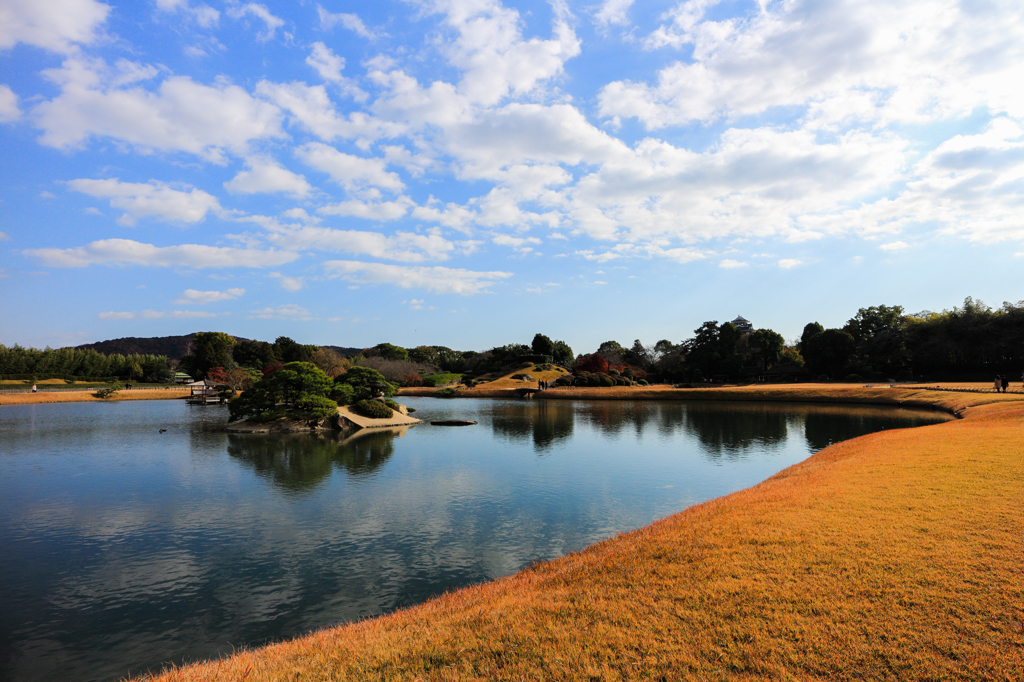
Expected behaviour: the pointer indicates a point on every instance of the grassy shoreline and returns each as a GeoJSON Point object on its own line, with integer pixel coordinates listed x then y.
{"type": "Point", "coordinates": [906, 396]}
{"type": "Point", "coordinates": [87, 396]}
{"type": "Point", "coordinates": [891, 556]}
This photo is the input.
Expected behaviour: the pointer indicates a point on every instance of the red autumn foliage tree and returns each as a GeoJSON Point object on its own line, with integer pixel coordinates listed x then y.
{"type": "Point", "coordinates": [217, 375]}
{"type": "Point", "coordinates": [592, 363]}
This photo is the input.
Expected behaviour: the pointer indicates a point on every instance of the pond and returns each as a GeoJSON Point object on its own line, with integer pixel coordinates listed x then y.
{"type": "Point", "coordinates": [126, 548]}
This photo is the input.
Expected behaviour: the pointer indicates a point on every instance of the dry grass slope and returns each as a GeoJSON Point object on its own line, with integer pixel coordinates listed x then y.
{"type": "Point", "coordinates": [87, 396]}
{"type": "Point", "coordinates": [893, 556]}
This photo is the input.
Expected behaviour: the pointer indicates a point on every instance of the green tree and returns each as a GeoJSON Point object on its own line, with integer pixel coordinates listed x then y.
{"type": "Point", "coordinates": [638, 355]}
{"type": "Point", "coordinates": [542, 345]}
{"type": "Point", "coordinates": [299, 390]}
{"type": "Point", "coordinates": [391, 352]}
{"type": "Point", "coordinates": [255, 354]}
{"type": "Point", "coordinates": [703, 350]}
{"type": "Point", "coordinates": [791, 356]}
{"type": "Point", "coordinates": [287, 350]}
{"type": "Point", "coordinates": [830, 351]}
{"type": "Point", "coordinates": [768, 345]}
{"type": "Point", "coordinates": [811, 330]}
{"type": "Point", "coordinates": [880, 337]}
{"type": "Point", "coordinates": [209, 349]}
{"type": "Point", "coordinates": [612, 351]}
{"type": "Point", "coordinates": [562, 354]}
{"type": "Point", "coordinates": [361, 380]}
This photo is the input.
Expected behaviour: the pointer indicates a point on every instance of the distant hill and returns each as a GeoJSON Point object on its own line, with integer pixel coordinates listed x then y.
{"type": "Point", "coordinates": [174, 347]}
{"type": "Point", "coordinates": [347, 352]}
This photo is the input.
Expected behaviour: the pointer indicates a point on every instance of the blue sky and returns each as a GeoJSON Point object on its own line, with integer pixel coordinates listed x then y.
{"type": "Point", "coordinates": [469, 172]}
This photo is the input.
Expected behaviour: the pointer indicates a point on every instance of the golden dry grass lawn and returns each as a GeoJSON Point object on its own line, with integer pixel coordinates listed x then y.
{"type": "Point", "coordinates": [893, 556]}
{"type": "Point", "coordinates": [87, 396]}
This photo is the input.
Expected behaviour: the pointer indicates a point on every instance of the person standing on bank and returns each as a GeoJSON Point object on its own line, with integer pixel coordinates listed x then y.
{"type": "Point", "coordinates": [1005, 382]}
{"type": "Point", "coordinates": [996, 384]}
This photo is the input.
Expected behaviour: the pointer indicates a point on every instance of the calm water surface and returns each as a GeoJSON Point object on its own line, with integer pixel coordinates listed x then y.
{"type": "Point", "coordinates": [124, 548]}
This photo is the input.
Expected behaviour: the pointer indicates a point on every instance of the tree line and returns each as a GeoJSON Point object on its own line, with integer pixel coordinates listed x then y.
{"type": "Point", "coordinates": [17, 362]}
{"type": "Point", "coordinates": [971, 341]}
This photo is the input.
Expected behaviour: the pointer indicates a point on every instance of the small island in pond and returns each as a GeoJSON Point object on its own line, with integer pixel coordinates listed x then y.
{"type": "Point", "coordinates": [299, 396]}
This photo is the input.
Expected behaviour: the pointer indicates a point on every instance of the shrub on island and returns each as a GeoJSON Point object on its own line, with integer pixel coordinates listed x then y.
{"type": "Point", "coordinates": [374, 409]}
{"type": "Point", "coordinates": [298, 390]}
{"type": "Point", "coordinates": [357, 384]}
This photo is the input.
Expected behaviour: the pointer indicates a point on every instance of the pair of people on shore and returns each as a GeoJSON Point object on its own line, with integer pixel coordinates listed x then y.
{"type": "Point", "coordinates": [1001, 382]}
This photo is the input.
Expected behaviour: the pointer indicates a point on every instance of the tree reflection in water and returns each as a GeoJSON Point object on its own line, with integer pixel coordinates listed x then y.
{"type": "Point", "coordinates": [548, 422]}
{"type": "Point", "coordinates": [730, 431]}
{"type": "Point", "coordinates": [300, 462]}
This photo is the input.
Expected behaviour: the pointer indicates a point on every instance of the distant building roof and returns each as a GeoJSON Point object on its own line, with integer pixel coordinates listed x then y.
{"type": "Point", "coordinates": [743, 324]}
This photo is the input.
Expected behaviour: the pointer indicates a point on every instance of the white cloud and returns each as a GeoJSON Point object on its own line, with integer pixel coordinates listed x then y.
{"type": "Point", "coordinates": [756, 182]}
{"type": "Point", "coordinates": [371, 210]}
{"type": "Point", "coordinates": [350, 21]}
{"type": "Point", "coordinates": [787, 263]}
{"type": "Point", "coordinates": [728, 263]}
{"type": "Point", "coordinates": [351, 172]}
{"type": "Point", "coordinates": [405, 247]}
{"type": "Point", "coordinates": [260, 12]}
{"type": "Point", "coordinates": [437, 279]}
{"type": "Point", "coordinates": [521, 134]}
{"type": "Point", "coordinates": [55, 25]}
{"type": "Point", "coordinates": [128, 252]}
{"type": "Point", "coordinates": [292, 284]}
{"type": "Point", "coordinates": [190, 296]}
{"type": "Point", "coordinates": [267, 176]}
{"type": "Point", "coordinates": [327, 63]}
{"type": "Point", "coordinates": [514, 242]}
{"type": "Point", "coordinates": [489, 49]}
{"type": "Point", "coordinates": [969, 185]}
{"type": "Point", "coordinates": [142, 200]}
{"type": "Point", "coordinates": [180, 115]}
{"type": "Point", "coordinates": [9, 110]}
{"type": "Point", "coordinates": [4, 237]}
{"type": "Point", "coordinates": [204, 15]}
{"type": "Point", "coordinates": [158, 314]}
{"type": "Point", "coordinates": [288, 311]}
{"type": "Point", "coordinates": [452, 215]}
{"type": "Point", "coordinates": [178, 314]}
{"type": "Point", "coordinates": [910, 61]}
{"type": "Point", "coordinates": [614, 12]}
{"type": "Point", "coordinates": [330, 65]}
{"type": "Point", "coordinates": [310, 107]}
{"type": "Point", "coordinates": [520, 244]}
{"type": "Point", "coordinates": [894, 246]}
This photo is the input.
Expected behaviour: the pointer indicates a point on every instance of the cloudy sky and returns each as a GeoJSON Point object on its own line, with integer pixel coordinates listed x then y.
{"type": "Point", "coordinates": [470, 172]}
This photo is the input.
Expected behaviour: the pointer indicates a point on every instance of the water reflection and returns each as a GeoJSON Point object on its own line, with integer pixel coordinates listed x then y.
{"type": "Point", "coordinates": [364, 452]}
{"type": "Point", "coordinates": [125, 548]}
{"type": "Point", "coordinates": [545, 422]}
{"type": "Point", "coordinates": [296, 462]}
{"type": "Point", "coordinates": [301, 462]}
{"type": "Point", "coordinates": [731, 433]}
